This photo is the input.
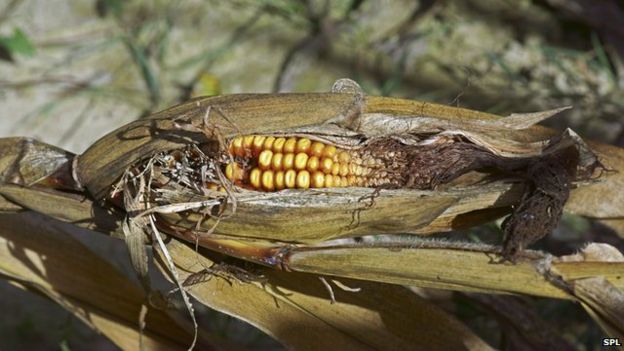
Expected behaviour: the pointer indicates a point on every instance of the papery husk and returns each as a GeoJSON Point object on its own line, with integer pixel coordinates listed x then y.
{"type": "Point", "coordinates": [26, 161]}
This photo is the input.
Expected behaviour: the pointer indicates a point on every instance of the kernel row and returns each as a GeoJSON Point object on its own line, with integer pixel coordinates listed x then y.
{"type": "Point", "coordinates": [270, 180]}
{"type": "Point", "coordinates": [253, 145]}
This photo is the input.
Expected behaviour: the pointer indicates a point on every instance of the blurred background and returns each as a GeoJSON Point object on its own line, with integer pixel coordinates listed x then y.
{"type": "Point", "coordinates": [73, 70]}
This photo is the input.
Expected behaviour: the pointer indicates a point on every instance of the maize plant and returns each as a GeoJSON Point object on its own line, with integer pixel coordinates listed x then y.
{"type": "Point", "coordinates": [339, 186]}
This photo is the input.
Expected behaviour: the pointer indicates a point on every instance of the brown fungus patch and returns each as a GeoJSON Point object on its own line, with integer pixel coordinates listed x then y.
{"type": "Point", "coordinates": [539, 211]}
{"type": "Point", "coordinates": [428, 166]}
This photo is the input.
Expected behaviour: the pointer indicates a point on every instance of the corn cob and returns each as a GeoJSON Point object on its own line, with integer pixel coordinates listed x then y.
{"type": "Point", "coordinates": [275, 163]}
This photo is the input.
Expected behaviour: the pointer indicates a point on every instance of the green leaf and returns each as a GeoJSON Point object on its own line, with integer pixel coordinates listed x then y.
{"type": "Point", "coordinates": [18, 43]}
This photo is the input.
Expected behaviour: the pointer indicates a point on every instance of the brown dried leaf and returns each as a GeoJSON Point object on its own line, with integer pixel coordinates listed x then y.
{"type": "Point", "coordinates": [67, 207]}
{"type": "Point", "coordinates": [604, 302]}
{"type": "Point", "coordinates": [605, 197]}
{"type": "Point", "coordinates": [27, 161]}
{"type": "Point", "coordinates": [38, 254]}
{"type": "Point", "coordinates": [295, 308]}
{"type": "Point", "coordinates": [433, 264]}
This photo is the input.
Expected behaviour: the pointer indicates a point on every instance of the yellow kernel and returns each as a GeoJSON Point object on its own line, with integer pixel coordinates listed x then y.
{"type": "Point", "coordinates": [212, 186]}
{"type": "Point", "coordinates": [313, 164]}
{"type": "Point", "coordinates": [316, 149]}
{"type": "Point", "coordinates": [288, 162]}
{"type": "Point", "coordinates": [329, 180]}
{"type": "Point", "coordinates": [290, 178]}
{"type": "Point", "coordinates": [303, 179]}
{"type": "Point", "coordinates": [268, 143]}
{"type": "Point", "coordinates": [335, 168]}
{"type": "Point", "coordinates": [344, 169]}
{"type": "Point", "coordinates": [234, 172]}
{"type": "Point", "coordinates": [303, 145]}
{"type": "Point", "coordinates": [254, 177]}
{"type": "Point", "coordinates": [264, 159]}
{"type": "Point", "coordinates": [277, 161]}
{"type": "Point", "coordinates": [344, 157]}
{"type": "Point", "coordinates": [301, 160]}
{"type": "Point", "coordinates": [278, 145]}
{"type": "Point", "coordinates": [237, 147]}
{"type": "Point", "coordinates": [329, 151]}
{"type": "Point", "coordinates": [326, 165]}
{"type": "Point", "coordinates": [318, 179]}
{"type": "Point", "coordinates": [229, 171]}
{"type": "Point", "coordinates": [289, 145]}
{"type": "Point", "coordinates": [267, 180]}
{"type": "Point", "coordinates": [351, 180]}
{"type": "Point", "coordinates": [337, 181]}
{"type": "Point", "coordinates": [279, 180]}
{"type": "Point", "coordinates": [344, 181]}
{"type": "Point", "coordinates": [258, 142]}
{"type": "Point", "coordinates": [248, 141]}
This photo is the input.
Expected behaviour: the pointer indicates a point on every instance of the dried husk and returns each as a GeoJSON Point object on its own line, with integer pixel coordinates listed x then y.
{"type": "Point", "coordinates": [26, 161]}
